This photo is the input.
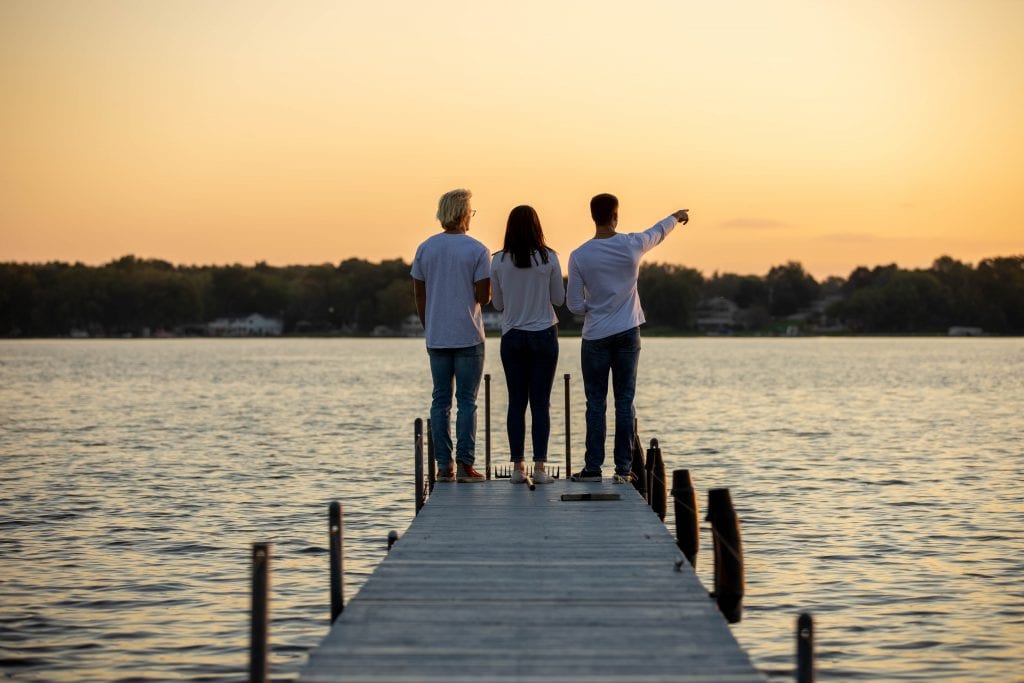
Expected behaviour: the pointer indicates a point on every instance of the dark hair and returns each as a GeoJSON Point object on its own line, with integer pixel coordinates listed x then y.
{"type": "Point", "coordinates": [602, 207]}
{"type": "Point", "coordinates": [523, 236]}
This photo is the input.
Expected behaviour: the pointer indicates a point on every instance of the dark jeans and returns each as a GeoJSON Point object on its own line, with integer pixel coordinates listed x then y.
{"type": "Point", "coordinates": [620, 355]}
{"type": "Point", "coordinates": [529, 359]}
{"type": "Point", "coordinates": [463, 368]}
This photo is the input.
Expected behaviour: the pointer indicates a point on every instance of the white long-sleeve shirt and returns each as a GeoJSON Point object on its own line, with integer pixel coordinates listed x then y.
{"type": "Point", "coordinates": [526, 296]}
{"type": "Point", "coordinates": [602, 279]}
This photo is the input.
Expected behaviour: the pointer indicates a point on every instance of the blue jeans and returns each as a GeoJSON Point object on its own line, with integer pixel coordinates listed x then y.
{"type": "Point", "coordinates": [462, 367]}
{"type": "Point", "coordinates": [620, 355]}
{"type": "Point", "coordinates": [529, 359]}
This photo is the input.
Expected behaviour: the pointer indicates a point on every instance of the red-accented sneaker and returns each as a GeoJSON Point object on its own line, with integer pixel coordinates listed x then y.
{"type": "Point", "coordinates": [467, 474]}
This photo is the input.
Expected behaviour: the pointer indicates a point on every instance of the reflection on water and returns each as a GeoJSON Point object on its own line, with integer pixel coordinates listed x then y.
{"type": "Point", "coordinates": [878, 482]}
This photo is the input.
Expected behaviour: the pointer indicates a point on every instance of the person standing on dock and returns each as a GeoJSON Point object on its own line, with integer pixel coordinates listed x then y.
{"type": "Point", "coordinates": [602, 287]}
{"type": "Point", "coordinates": [526, 285]}
{"type": "Point", "coordinates": [451, 280]}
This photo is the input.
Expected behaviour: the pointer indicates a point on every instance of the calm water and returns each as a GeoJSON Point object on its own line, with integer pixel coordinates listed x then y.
{"type": "Point", "coordinates": [879, 483]}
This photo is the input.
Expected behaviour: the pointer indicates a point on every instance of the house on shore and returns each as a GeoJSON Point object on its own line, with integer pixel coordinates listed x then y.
{"type": "Point", "coordinates": [965, 331]}
{"type": "Point", "coordinates": [718, 315]}
{"type": "Point", "coordinates": [254, 325]}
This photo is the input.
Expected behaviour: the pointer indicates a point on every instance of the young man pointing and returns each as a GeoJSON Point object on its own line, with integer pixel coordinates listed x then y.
{"type": "Point", "coordinates": [602, 287]}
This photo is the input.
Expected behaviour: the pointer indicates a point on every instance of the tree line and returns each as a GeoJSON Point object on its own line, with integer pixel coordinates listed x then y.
{"type": "Point", "coordinates": [130, 296]}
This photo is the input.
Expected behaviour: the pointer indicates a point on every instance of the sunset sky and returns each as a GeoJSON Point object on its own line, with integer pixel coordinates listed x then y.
{"type": "Point", "coordinates": [836, 134]}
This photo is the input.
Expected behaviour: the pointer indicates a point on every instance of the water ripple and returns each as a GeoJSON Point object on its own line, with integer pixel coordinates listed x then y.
{"type": "Point", "coordinates": [878, 483]}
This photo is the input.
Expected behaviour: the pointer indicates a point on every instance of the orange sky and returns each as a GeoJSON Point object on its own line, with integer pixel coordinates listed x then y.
{"type": "Point", "coordinates": [835, 134]}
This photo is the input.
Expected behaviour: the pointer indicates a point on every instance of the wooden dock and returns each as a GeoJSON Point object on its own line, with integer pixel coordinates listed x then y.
{"type": "Point", "coordinates": [494, 582]}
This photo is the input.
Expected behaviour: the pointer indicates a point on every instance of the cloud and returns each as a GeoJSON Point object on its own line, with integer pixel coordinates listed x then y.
{"type": "Point", "coordinates": [752, 224]}
{"type": "Point", "coordinates": [847, 237]}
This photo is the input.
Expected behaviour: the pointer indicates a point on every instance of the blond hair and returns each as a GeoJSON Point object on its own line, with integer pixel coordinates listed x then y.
{"type": "Point", "coordinates": [453, 206]}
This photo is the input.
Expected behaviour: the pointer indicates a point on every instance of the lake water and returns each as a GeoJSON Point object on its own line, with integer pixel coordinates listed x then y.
{"type": "Point", "coordinates": [879, 484]}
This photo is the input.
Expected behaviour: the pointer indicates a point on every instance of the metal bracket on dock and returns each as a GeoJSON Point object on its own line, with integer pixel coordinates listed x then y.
{"type": "Point", "coordinates": [590, 496]}
{"type": "Point", "coordinates": [500, 472]}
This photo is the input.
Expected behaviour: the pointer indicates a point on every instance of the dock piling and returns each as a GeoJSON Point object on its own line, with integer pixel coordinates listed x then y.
{"type": "Point", "coordinates": [259, 671]}
{"type": "Point", "coordinates": [334, 526]}
{"type": "Point", "coordinates": [431, 461]}
{"type": "Point", "coordinates": [638, 468]}
{"type": "Point", "coordinates": [687, 525]}
{"type": "Point", "coordinates": [417, 434]}
{"type": "Point", "coordinates": [725, 528]}
{"type": "Point", "coordinates": [656, 492]}
{"type": "Point", "coordinates": [649, 470]}
{"type": "Point", "coordinates": [568, 429]}
{"type": "Point", "coordinates": [487, 425]}
{"type": "Point", "coordinates": [805, 648]}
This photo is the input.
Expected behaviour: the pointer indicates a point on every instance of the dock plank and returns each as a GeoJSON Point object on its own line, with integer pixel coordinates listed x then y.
{"type": "Point", "coordinates": [494, 582]}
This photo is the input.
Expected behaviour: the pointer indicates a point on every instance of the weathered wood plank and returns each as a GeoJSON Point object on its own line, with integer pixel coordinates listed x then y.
{"type": "Point", "coordinates": [494, 582]}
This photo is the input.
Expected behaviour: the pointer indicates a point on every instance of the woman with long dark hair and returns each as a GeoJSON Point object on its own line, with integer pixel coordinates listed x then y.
{"type": "Point", "coordinates": [526, 285]}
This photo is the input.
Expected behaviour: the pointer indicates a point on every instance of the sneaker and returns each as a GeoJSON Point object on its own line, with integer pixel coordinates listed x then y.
{"type": "Point", "coordinates": [445, 475]}
{"type": "Point", "coordinates": [466, 474]}
{"type": "Point", "coordinates": [518, 477]}
{"type": "Point", "coordinates": [542, 477]}
{"type": "Point", "coordinates": [626, 478]}
{"type": "Point", "coordinates": [587, 475]}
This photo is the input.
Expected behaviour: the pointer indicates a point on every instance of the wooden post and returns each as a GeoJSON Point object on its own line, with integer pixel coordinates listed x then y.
{"type": "Point", "coordinates": [649, 470]}
{"type": "Point", "coordinates": [334, 528]}
{"type": "Point", "coordinates": [259, 670]}
{"type": "Point", "coordinates": [568, 430]}
{"type": "Point", "coordinates": [637, 466]}
{"type": "Point", "coordinates": [487, 425]}
{"type": "Point", "coordinates": [805, 649]}
{"type": "Point", "coordinates": [725, 527]}
{"type": "Point", "coordinates": [417, 435]}
{"type": "Point", "coordinates": [431, 461]}
{"type": "Point", "coordinates": [687, 525]}
{"type": "Point", "coordinates": [659, 499]}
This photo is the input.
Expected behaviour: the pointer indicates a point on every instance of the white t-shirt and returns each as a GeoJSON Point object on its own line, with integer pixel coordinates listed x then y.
{"type": "Point", "coordinates": [526, 296]}
{"type": "Point", "coordinates": [602, 280]}
{"type": "Point", "coordinates": [450, 264]}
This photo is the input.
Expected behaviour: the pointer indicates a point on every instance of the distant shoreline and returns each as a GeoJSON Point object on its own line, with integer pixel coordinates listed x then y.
{"type": "Point", "coordinates": [152, 298]}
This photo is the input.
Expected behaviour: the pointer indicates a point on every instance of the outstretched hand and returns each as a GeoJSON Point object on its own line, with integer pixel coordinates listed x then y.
{"type": "Point", "coordinates": [682, 216]}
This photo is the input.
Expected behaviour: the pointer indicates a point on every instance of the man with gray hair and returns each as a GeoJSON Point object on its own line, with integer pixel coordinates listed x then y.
{"type": "Point", "coordinates": [451, 280]}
